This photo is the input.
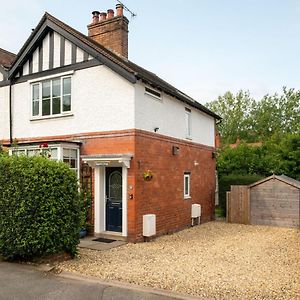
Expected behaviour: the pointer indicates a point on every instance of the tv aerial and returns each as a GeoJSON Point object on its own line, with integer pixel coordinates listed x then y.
{"type": "Point", "coordinates": [127, 9]}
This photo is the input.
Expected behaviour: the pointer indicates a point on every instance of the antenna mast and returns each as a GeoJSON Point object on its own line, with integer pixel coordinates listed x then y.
{"type": "Point", "coordinates": [127, 9]}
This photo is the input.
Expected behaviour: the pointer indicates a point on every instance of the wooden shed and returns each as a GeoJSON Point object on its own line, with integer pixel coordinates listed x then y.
{"type": "Point", "coordinates": [275, 201]}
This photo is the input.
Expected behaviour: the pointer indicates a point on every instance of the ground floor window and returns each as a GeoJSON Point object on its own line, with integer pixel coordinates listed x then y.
{"type": "Point", "coordinates": [66, 152]}
{"type": "Point", "coordinates": [186, 185]}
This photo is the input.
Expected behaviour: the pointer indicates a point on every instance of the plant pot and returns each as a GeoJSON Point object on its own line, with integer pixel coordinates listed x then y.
{"type": "Point", "coordinates": [82, 233]}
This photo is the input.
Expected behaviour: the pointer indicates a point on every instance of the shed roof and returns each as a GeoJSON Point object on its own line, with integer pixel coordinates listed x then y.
{"type": "Point", "coordinates": [288, 180]}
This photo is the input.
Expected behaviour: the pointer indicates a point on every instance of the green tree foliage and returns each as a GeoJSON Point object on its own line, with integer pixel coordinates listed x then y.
{"type": "Point", "coordinates": [279, 155]}
{"type": "Point", "coordinates": [252, 120]}
{"type": "Point", "coordinates": [39, 208]}
{"type": "Point", "coordinates": [235, 111]}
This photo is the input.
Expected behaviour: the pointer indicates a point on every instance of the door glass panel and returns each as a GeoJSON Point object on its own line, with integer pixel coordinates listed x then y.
{"type": "Point", "coordinates": [115, 186]}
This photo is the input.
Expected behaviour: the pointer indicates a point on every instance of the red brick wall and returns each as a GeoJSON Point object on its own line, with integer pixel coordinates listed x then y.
{"type": "Point", "coordinates": [163, 195]}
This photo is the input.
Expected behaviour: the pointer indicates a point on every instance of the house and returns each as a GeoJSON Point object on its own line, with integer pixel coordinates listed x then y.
{"type": "Point", "coordinates": [146, 147]}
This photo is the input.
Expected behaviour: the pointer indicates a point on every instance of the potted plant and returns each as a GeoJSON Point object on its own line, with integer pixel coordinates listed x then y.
{"type": "Point", "coordinates": [148, 175]}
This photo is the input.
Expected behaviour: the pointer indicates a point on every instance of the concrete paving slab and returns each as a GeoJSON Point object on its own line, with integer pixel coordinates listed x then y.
{"type": "Point", "coordinates": [88, 243]}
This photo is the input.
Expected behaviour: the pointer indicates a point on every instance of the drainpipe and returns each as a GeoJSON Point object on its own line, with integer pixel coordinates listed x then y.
{"type": "Point", "coordinates": [10, 114]}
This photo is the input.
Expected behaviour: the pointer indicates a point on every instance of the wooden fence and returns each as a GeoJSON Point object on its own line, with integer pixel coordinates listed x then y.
{"type": "Point", "coordinates": [238, 204]}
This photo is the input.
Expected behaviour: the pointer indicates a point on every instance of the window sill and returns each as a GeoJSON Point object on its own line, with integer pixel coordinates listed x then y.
{"type": "Point", "coordinates": [187, 197]}
{"type": "Point", "coordinates": [51, 117]}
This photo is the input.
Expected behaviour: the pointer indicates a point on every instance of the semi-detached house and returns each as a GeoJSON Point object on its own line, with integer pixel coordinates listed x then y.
{"type": "Point", "coordinates": [113, 122]}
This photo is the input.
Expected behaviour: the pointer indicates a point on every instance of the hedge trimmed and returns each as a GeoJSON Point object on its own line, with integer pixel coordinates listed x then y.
{"type": "Point", "coordinates": [226, 181]}
{"type": "Point", "coordinates": [39, 208]}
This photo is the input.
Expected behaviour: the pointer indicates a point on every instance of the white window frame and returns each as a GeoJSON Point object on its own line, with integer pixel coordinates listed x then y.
{"type": "Point", "coordinates": [188, 194]}
{"type": "Point", "coordinates": [188, 123]}
{"type": "Point", "coordinates": [148, 90]}
{"type": "Point", "coordinates": [40, 101]}
{"type": "Point", "coordinates": [59, 148]}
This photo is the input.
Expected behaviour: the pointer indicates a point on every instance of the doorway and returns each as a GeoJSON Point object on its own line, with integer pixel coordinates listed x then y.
{"type": "Point", "coordinates": [114, 198]}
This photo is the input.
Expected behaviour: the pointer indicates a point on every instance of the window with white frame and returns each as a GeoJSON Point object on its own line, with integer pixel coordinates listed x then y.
{"type": "Point", "coordinates": [187, 185]}
{"type": "Point", "coordinates": [153, 92]}
{"type": "Point", "coordinates": [67, 154]}
{"type": "Point", "coordinates": [188, 116]}
{"type": "Point", "coordinates": [70, 157]}
{"type": "Point", "coordinates": [51, 97]}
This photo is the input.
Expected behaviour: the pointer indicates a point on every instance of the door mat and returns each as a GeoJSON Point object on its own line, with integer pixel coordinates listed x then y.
{"type": "Point", "coordinates": [102, 240]}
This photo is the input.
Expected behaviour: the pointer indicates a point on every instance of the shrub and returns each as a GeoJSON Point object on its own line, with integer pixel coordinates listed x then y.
{"type": "Point", "coordinates": [39, 208]}
{"type": "Point", "coordinates": [226, 181]}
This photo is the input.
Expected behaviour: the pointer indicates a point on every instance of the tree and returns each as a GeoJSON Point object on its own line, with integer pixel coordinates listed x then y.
{"type": "Point", "coordinates": [235, 111]}
{"type": "Point", "coordinates": [251, 120]}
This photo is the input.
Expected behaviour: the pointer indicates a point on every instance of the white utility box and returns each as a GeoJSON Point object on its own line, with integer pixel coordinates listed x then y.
{"type": "Point", "coordinates": [149, 225]}
{"type": "Point", "coordinates": [196, 210]}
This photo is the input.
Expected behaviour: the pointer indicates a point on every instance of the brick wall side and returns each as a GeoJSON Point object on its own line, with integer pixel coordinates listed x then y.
{"type": "Point", "coordinates": [163, 195]}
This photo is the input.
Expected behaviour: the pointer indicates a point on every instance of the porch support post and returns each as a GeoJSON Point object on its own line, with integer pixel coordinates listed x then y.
{"type": "Point", "coordinates": [97, 200]}
{"type": "Point", "coordinates": [124, 202]}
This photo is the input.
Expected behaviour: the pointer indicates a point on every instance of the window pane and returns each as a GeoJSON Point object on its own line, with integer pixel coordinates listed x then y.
{"type": "Point", "coordinates": [35, 92]}
{"type": "Point", "coordinates": [53, 152]}
{"type": "Point", "coordinates": [67, 103]}
{"type": "Point", "coordinates": [46, 89]}
{"type": "Point", "coordinates": [73, 163]}
{"type": "Point", "coordinates": [56, 88]}
{"type": "Point", "coordinates": [35, 108]}
{"type": "Point", "coordinates": [46, 108]}
{"type": "Point", "coordinates": [67, 86]}
{"type": "Point", "coordinates": [188, 123]}
{"type": "Point", "coordinates": [186, 185]}
{"type": "Point", "coordinates": [56, 106]}
{"type": "Point", "coordinates": [73, 153]}
{"type": "Point", "coordinates": [66, 153]}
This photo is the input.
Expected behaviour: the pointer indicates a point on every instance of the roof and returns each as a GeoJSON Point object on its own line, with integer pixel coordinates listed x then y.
{"type": "Point", "coordinates": [288, 180]}
{"type": "Point", "coordinates": [6, 58]}
{"type": "Point", "coordinates": [123, 63]}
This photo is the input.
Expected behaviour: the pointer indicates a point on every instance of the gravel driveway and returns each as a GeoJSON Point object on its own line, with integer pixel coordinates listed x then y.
{"type": "Point", "coordinates": [215, 260]}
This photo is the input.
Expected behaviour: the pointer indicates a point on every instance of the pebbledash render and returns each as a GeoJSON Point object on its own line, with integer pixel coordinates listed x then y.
{"type": "Point", "coordinates": [143, 146]}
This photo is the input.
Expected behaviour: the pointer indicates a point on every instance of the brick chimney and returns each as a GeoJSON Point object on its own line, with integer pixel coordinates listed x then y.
{"type": "Point", "coordinates": [110, 30]}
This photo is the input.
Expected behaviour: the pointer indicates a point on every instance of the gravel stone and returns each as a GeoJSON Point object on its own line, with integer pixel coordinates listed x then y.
{"type": "Point", "coordinates": [215, 260]}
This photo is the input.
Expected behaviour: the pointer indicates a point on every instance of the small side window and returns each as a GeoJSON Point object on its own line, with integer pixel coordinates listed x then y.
{"type": "Point", "coordinates": [154, 93]}
{"type": "Point", "coordinates": [186, 185]}
{"type": "Point", "coordinates": [188, 116]}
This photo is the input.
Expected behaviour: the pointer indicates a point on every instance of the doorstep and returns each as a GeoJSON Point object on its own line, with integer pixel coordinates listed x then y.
{"type": "Point", "coordinates": [88, 242]}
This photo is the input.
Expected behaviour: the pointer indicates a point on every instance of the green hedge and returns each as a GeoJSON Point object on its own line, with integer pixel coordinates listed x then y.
{"type": "Point", "coordinates": [226, 181]}
{"type": "Point", "coordinates": [39, 208]}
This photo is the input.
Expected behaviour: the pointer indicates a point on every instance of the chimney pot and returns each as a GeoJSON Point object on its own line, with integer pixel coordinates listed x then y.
{"type": "Point", "coordinates": [110, 13]}
{"type": "Point", "coordinates": [119, 8]}
{"type": "Point", "coordinates": [103, 16]}
{"type": "Point", "coordinates": [95, 16]}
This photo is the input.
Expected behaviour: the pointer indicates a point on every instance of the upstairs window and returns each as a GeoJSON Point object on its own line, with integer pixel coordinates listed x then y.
{"type": "Point", "coordinates": [51, 97]}
{"type": "Point", "coordinates": [154, 93]}
{"type": "Point", "coordinates": [188, 116]}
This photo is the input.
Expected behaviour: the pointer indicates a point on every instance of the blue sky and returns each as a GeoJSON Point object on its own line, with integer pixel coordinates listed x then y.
{"type": "Point", "coordinates": [203, 47]}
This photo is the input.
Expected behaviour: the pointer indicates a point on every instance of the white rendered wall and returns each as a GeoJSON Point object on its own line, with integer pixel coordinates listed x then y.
{"type": "Point", "coordinates": [4, 113]}
{"type": "Point", "coordinates": [169, 116]}
{"type": "Point", "coordinates": [101, 101]}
